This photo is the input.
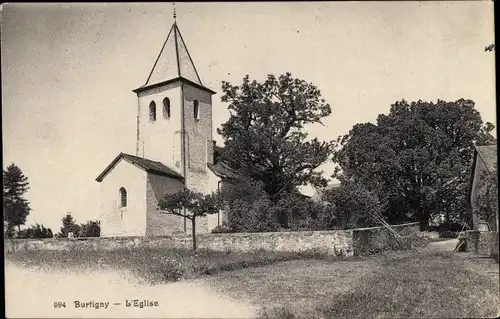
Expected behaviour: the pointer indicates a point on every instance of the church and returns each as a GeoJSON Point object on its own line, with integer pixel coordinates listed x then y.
{"type": "Point", "coordinates": [174, 149]}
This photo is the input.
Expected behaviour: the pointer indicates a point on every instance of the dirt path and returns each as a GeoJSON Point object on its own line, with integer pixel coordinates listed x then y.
{"type": "Point", "coordinates": [31, 293]}
{"type": "Point", "coordinates": [443, 246]}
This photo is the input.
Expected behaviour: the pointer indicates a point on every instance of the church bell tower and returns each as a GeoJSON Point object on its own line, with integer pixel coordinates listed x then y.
{"type": "Point", "coordinates": [174, 113]}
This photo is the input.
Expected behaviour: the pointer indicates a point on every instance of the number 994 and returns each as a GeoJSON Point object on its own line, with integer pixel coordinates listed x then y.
{"type": "Point", "coordinates": [59, 304]}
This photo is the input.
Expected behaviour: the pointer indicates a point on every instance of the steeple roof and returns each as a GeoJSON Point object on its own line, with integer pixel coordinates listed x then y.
{"type": "Point", "coordinates": [173, 63]}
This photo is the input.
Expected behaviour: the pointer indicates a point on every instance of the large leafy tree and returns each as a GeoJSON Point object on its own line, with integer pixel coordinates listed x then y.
{"type": "Point", "coordinates": [417, 159]}
{"type": "Point", "coordinates": [265, 138]}
{"type": "Point", "coordinates": [16, 207]}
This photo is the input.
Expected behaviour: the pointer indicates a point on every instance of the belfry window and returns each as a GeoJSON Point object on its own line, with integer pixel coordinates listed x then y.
{"type": "Point", "coordinates": [152, 111]}
{"type": "Point", "coordinates": [196, 109]}
{"type": "Point", "coordinates": [166, 108]}
{"type": "Point", "coordinates": [123, 197]}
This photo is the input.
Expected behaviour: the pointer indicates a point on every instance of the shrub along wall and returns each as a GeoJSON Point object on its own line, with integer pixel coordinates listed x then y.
{"type": "Point", "coordinates": [335, 242]}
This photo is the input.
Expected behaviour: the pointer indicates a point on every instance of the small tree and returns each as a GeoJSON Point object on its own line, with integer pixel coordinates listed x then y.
{"type": "Point", "coordinates": [190, 205]}
{"type": "Point", "coordinates": [16, 207]}
{"type": "Point", "coordinates": [69, 226]}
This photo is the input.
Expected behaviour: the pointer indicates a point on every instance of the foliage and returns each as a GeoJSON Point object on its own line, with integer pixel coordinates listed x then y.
{"type": "Point", "coordinates": [190, 205]}
{"type": "Point", "coordinates": [16, 207]}
{"type": "Point", "coordinates": [244, 189]}
{"type": "Point", "coordinates": [354, 205]}
{"type": "Point", "coordinates": [249, 209]}
{"type": "Point", "coordinates": [417, 159]}
{"type": "Point", "coordinates": [303, 213]}
{"type": "Point", "coordinates": [88, 229]}
{"type": "Point", "coordinates": [222, 228]}
{"type": "Point", "coordinates": [255, 216]}
{"type": "Point", "coordinates": [35, 231]}
{"type": "Point", "coordinates": [265, 137]}
{"type": "Point", "coordinates": [69, 226]}
{"type": "Point", "coordinates": [487, 197]}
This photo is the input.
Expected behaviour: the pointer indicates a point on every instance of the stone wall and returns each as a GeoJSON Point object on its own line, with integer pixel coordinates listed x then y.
{"type": "Point", "coordinates": [375, 239]}
{"type": "Point", "coordinates": [334, 242]}
{"type": "Point", "coordinates": [96, 243]}
{"type": "Point", "coordinates": [482, 242]}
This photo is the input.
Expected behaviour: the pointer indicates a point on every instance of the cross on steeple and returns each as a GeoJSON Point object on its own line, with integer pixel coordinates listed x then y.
{"type": "Point", "coordinates": [175, 15]}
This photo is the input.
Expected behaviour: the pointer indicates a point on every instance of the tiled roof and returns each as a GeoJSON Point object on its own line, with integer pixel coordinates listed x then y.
{"type": "Point", "coordinates": [488, 155]}
{"type": "Point", "coordinates": [223, 170]}
{"type": "Point", "coordinates": [173, 63]}
{"type": "Point", "coordinates": [144, 163]}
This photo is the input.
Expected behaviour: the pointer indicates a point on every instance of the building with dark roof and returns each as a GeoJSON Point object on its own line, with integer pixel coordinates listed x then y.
{"type": "Point", "coordinates": [484, 179]}
{"type": "Point", "coordinates": [174, 149]}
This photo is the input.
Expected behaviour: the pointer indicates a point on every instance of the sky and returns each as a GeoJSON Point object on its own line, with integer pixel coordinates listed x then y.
{"type": "Point", "coordinates": [68, 71]}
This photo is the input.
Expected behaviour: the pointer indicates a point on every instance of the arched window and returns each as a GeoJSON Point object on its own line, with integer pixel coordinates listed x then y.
{"type": "Point", "coordinates": [123, 197]}
{"type": "Point", "coordinates": [166, 108]}
{"type": "Point", "coordinates": [152, 111]}
{"type": "Point", "coordinates": [196, 110]}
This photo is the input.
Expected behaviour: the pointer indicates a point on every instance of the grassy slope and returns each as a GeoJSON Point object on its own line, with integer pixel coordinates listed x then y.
{"type": "Point", "coordinates": [151, 266]}
{"type": "Point", "coordinates": [405, 285]}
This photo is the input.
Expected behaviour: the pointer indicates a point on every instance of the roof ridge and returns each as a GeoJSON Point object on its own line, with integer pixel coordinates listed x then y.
{"type": "Point", "coordinates": [165, 68]}
{"type": "Point", "coordinates": [144, 163]}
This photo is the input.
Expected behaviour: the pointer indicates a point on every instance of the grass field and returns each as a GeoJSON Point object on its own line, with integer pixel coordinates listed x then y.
{"type": "Point", "coordinates": [404, 285]}
{"type": "Point", "coordinates": [429, 283]}
{"type": "Point", "coordinates": [152, 266]}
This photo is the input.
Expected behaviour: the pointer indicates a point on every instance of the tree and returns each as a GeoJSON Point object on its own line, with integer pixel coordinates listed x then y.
{"type": "Point", "coordinates": [190, 205]}
{"type": "Point", "coordinates": [35, 231]}
{"type": "Point", "coordinates": [90, 229]}
{"type": "Point", "coordinates": [69, 226]}
{"type": "Point", "coordinates": [248, 207]}
{"type": "Point", "coordinates": [16, 207]}
{"type": "Point", "coordinates": [265, 138]}
{"type": "Point", "coordinates": [417, 159]}
{"type": "Point", "coordinates": [355, 206]}
{"type": "Point", "coordinates": [303, 213]}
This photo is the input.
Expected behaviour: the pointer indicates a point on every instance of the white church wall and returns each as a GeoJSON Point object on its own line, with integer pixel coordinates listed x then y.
{"type": "Point", "coordinates": [158, 223]}
{"type": "Point", "coordinates": [160, 140]}
{"type": "Point", "coordinates": [199, 146]}
{"type": "Point", "coordinates": [212, 184]}
{"type": "Point", "coordinates": [129, 220]}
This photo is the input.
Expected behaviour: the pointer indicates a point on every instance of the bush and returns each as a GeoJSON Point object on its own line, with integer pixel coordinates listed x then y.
{"type": "Point", "coordinates": [303, 213]}
{"type": "Point", "coordinates": [354, 205]}
{"type": "Point", "coordinates": [36, 231]}
{"type": "Point", "coordinates": [223, 228]}
{"type": "Point", "coordinates": [258, 216]}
